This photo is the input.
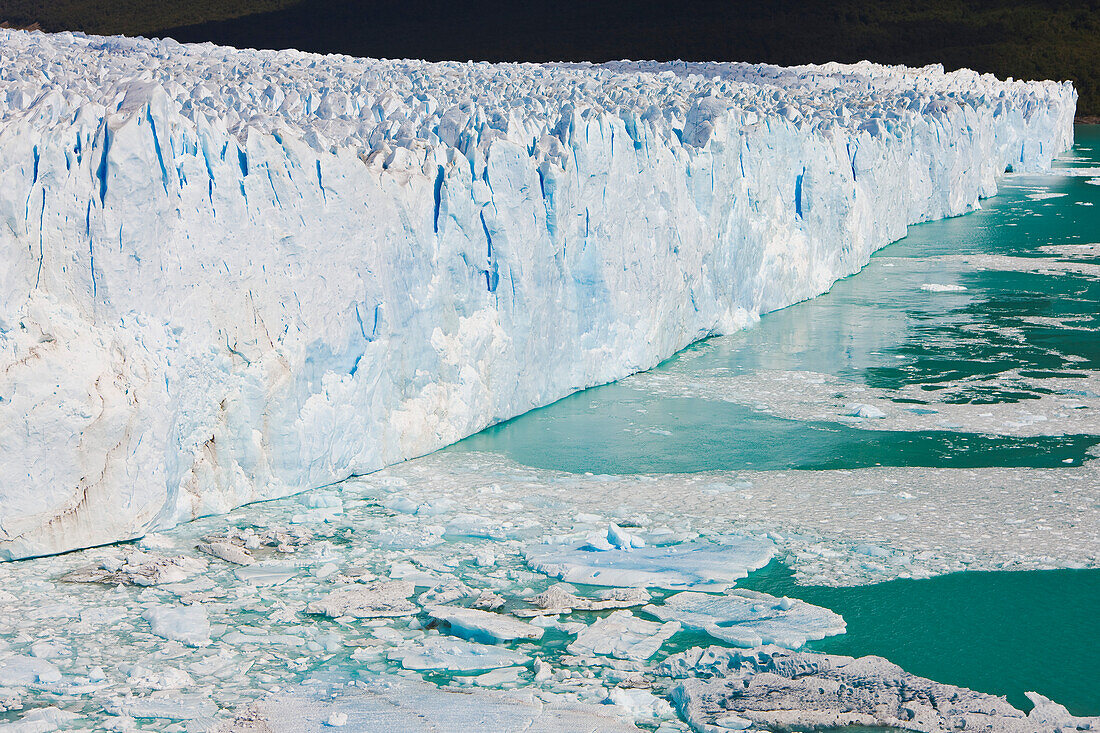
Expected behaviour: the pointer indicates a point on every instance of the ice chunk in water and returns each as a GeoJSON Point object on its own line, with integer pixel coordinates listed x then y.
{"type": "Point", "coordinates": [380, 599]}
{"type": "Point", "coordinates": [187, 624]}
{"type": "Point", "coordinates": [749, 618]}
{"type": "Point", "coordinates": [456, 655]}
{"type": "Point", "coordinates": [19, 670]}
{"type": "Point", "coordinates": [624, 636]}
{"type": "Point", "coordinates": [701, 565]}
{"type": "Point", "coordinates": [484, 626]}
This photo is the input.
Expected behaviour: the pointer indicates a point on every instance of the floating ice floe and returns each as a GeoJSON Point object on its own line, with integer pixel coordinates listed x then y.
{"type": "Point", "coordinates": [700, 565]}
{"type": "Point", "coordinates": [485, 626]}
{"type": "Point", "coordinates": [748, 618]}
{"type": "Point", "coordinates": [18, 670]}
{"type": "Point", "coordinates": [770, 688]}
{"type": "Point", "coordinates": [378, 599]}
{"type": "Point", "coordinates": [942, 288]}
{"type": "Point", "coordinates": [455, 655]}
{"type": "Point", "coordinates": [187, 624]}
{"type": "Point", "coordinates": [40, 720]}
{"type": "Point", "coordinates": [624, 636]}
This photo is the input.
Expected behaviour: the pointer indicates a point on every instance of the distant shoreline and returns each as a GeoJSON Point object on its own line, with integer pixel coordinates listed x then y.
{"type": "Point", "coordinates": [1086, 120]}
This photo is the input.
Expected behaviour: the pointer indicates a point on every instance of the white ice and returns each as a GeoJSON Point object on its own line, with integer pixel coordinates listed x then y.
{"type": "Point", "coordinates": [701, 565]}
{"type": "Point", "coordinates": [749, 618]}
{"type": "Point", "coordinates": [482, 626]}
{"type": "Point", "coordinates": [623, 635]}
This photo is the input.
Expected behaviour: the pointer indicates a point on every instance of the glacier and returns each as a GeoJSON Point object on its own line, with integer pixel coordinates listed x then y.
{"type": "Point", "coordinates": [232, 275]}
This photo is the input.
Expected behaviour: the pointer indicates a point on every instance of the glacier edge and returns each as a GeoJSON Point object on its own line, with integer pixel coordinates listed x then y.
{"type": "Point", "coordinates": [232, 275]}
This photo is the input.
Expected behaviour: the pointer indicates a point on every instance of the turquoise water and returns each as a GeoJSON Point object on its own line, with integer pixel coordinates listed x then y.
{"type": "Point", "coordinates": [1003, 633]}
{"type": "Point", "coordinates": [1015, 335]}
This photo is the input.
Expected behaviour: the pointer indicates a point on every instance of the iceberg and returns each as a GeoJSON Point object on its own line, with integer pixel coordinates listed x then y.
{"type": "Point", "coordinates": [233, 275]}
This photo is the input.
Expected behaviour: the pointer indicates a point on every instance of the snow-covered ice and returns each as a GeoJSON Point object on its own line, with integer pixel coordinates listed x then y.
{"type": "Point", "coordinates": [235, 275]}
{"type": "Point", "coordinates": [749, 618]}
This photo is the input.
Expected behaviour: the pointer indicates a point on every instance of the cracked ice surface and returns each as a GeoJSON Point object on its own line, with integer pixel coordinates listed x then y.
{"type": "Point", "coordinates": [235, 275]}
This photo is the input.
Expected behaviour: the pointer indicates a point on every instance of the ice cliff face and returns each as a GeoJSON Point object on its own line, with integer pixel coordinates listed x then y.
{"type": "Point", "coordinates": [231, 275]}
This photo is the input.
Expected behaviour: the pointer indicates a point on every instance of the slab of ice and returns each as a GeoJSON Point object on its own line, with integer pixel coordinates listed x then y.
{"type": "Point", "coordinates": [482, 626]}
{"type": "Point", "coordinates": [266, 574]}
{"type": "Point", "coordinates": [18, 671]}
{"type": "Point", "coordinates": [456, 655]}
{"type": "Point", "coordinates": [187, 624]}
{"type": "Point", "coordinates": [379, 599]}
{"type": "Point", "coordinates": [749, 618]}
{"type": "Point", "coordinates": [406, 232]}
{"type": "Point", "coordinates": [41, 720]}
{"type": "Point", "coordinates": [624, 636]}
{"type": "Point", "coordinates": [702, 565]}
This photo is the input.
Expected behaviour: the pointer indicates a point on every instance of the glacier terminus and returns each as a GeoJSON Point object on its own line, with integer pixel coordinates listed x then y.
{"type": "Point", "coordinates": [234, 275]}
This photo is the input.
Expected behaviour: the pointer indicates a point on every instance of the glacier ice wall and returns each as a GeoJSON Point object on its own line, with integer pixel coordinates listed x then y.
{"type": "Point", "coordinates": [228, 276]}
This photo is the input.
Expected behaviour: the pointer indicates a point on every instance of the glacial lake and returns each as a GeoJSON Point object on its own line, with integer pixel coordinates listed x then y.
{"type": "Point", "coordinates": [978, 337]}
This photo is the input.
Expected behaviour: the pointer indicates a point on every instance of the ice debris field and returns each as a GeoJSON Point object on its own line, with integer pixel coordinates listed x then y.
{"type": "Point", "coordinates": [237, 275]}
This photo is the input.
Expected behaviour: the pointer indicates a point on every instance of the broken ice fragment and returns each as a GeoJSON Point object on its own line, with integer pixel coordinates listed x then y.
{"type": "Point", "coordinates": [137, 568]}
{"type": "Point", "coordinates": [456, 655]}
{"type": "Point", "coordinates": [265, 574]}
{"type": "Point", "coordinates": [20, 671]}
{"type": "Point", "coordinates": [186, 624]}
{"type": "Point", "coordinates": [560, 598]}
{"type": "Point", "coordinates": [236, 554]}
{"type": "Point", "coordinates": [749, 618]}
{"type": "Point", "coordinates": [700, 565]}
{"type": "Point", "coordinates": [380, 599]}
{"type": "Point", "coordinates": [483, 626]}
{"type": "Point", "coordinates": [624, 636]}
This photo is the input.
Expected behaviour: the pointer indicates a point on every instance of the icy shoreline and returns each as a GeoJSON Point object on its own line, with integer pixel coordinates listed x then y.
{"type": "Point", "coordinates": [236, 275]}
